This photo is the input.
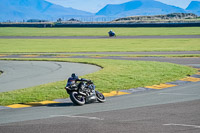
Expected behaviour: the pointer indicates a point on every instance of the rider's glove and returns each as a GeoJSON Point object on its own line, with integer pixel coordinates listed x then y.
{"type": "Point", "coordinates": [90, 82]}
{"type": "Point", "coordinates": [66, 87]}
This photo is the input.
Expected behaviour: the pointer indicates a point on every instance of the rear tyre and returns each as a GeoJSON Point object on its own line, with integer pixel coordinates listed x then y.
{"type": "Point", "coordinates": [100, 97]}
{"type": "Point", "coordinates": [77, 98]}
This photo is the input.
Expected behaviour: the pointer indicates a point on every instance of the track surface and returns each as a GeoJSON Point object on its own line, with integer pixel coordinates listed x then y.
{"type": "Point", "coordinates": [167, 118]}
{"type": "Point", "coordinates": [115, 53]}
{"type": "Point", "coordinates": [140, 112]}
{"type": "Point", "coordinates": [169, 110]}
{"type": "Point", "coordinates": [164, 111]}
{"type": "Point", "coordinates": [23, 74]}
{"type": "Point", "coordinates": [101, 37]}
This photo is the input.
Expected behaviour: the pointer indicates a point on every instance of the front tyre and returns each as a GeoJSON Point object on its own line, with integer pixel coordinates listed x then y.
{"type": "Point", "coordinates": [100, 97]}
{"type": "Point", "coordinates": [77, 98]}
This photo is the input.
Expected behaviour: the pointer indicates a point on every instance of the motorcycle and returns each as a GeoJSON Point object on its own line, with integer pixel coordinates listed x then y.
{"type": "Point", "coordinates": [111, 34]}
{"type": "Point", "coordinates": [84, 92]}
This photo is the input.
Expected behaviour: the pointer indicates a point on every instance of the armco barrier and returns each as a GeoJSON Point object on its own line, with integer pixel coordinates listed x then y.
{"type": "Point", "coordinates": [26, 25]}
{"type": "Point", "coordinates": [104, 25]}
{"type": "Point", "coordinates": [132, 25]}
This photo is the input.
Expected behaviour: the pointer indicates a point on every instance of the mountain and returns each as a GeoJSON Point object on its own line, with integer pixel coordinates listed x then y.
{"type": "Point", "coordinates": [194, 7]}
{"type": "Point", "coordinates": [95, 5]}
{"type": "Point", "coordinates": [138, 7]}
{"type": "Point", "coordinates": [87, 5]}
{"type": "Point", "coordinates": [18, 10]}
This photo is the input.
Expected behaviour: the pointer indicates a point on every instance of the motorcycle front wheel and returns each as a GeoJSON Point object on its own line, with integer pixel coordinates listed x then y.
{"type": "Point", "coordinates": [100, 97]}
{"type": "Point", "coordinates": [77, 98]}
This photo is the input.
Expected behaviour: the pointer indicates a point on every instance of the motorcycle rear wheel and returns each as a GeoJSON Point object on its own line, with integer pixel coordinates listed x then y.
{"type": "Point", "coordinates": [100, 97]}
{"type": "Point", "coordinates": [77, 98]}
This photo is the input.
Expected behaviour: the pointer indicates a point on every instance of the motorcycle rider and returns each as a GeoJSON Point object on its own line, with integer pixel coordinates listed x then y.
{"type": "Point", "coordinates": [73, 79]}
{"type": "Point", "coordinates": [111, 33]}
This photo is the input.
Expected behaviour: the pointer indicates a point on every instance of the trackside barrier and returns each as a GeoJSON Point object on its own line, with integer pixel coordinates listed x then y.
{"type": "Point", "coordinates": [43, 25]}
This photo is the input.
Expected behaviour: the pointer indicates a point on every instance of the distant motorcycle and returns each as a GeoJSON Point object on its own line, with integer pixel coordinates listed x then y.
{"type": "Point", "coordinates": [111, 34]}
{"type": "Point", "coordinates": [84, 92]}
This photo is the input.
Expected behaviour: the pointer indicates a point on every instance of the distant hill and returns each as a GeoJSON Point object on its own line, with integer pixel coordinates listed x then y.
{"type": "Point", "coordinates": [194, 7]}
{"type": "Point", "coordinates": [173, 17]}
{"type": "Point", "coordinates": [42, 10]}
{"type": "Point", "coordinates": [138, 7]}
{"type": "Point", "coordinates": [18, 10]}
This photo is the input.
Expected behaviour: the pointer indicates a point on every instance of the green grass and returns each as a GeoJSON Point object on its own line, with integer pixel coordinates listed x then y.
{"type": "Point", "coordinates": [97, 45]}
{"type": "Point", "coordinates": [8, 31]}
{"type": "Point", "coordinates": [115, 75]}
{"type": "Point", "coordinates": [1, 72]}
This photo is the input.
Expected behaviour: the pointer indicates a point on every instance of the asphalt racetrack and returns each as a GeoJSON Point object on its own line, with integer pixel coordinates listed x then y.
{"type": "Point", "coordinates": [174, 109]}
{"type": "Point", "coordinates": [101, 37]}
{"type": "Point", "coordinates": [169, 110]}
{"type": "Point", "coordinates": [23, 74]}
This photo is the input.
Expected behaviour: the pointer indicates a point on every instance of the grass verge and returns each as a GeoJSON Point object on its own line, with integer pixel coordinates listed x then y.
{"type": "Point", "coordinates": [97, 45]}
{"type": "Point", "coordinates": [115, 75]}
{"type": "Point", "coordinates": [1, 72]}
{"type": "Point", "coordinates": [19, 31]}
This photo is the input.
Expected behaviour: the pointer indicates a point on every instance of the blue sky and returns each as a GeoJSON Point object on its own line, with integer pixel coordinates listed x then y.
{"type": "Point", "coordinates": [95, 5]}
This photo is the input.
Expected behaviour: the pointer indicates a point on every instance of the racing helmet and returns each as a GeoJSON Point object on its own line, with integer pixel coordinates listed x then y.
{"type": "Point", "coordinates": [74, 76]}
